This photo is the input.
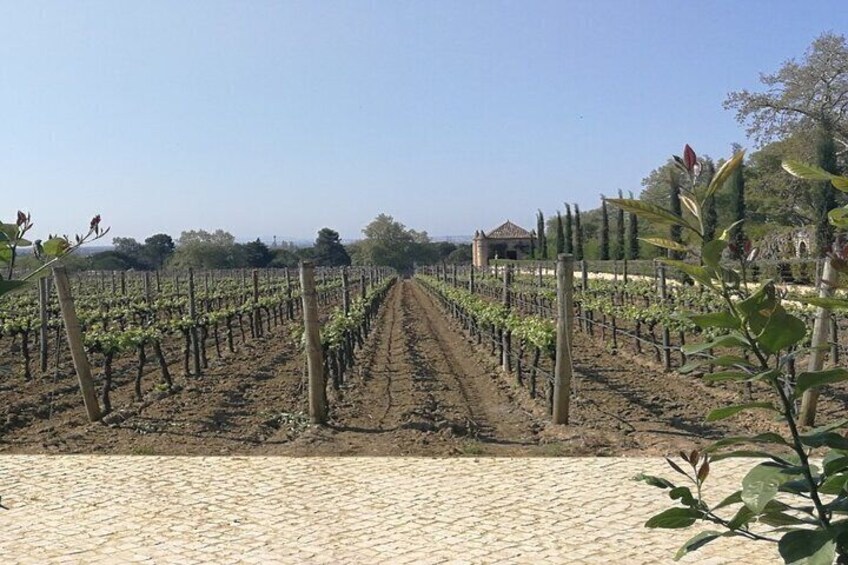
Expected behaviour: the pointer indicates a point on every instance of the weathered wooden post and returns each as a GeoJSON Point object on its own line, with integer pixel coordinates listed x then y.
{"type": "Point", "coordinates": [666, 335]}
{"type": "Point", "coordinates": [455, 283]}
{"type": "Point", "coordinates": [345, 292]}
{"type": "Point", "coordinates": [257, 316]}
{"type": "Point", "coordinates": [72, 329]}
{"type": "Point", "coordinates": [289, 302]}
{"type": "Point", "coordinates": [565, 323]}
{"type": "Point", "coordinates": [192, 314]}
{"type": "Point", "coordinates": [147, 294]}
{"type": "Point", "coordinates": [506, 338]}
{"type": "Point", "coordinates": [829, 280]}
{"type": "Point", "coordinates": [471, 279]}
{"type": "Point", "coordinates": [312, 338]}
{"type": "Point", "coordinates": [43, 299]}
{"type": "Point", "coordinates": [584, 275]}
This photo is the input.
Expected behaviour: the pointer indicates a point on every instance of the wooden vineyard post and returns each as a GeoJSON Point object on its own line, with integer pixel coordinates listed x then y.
{"type": "Point", "coordinates": [192, 314]}
{"type": "Point", "coordinates": [455, 283]}
{"type": "Point", "coordinates": [289, 303]}
{"type": "Point", "coordinates": [43, 298]}
{"type": "Point", "coordinates": [506, 361]}
{"type": "Point", "coordinates": [147, 286]}
{"type": "Point", "coordinates": [312, 338]}
{"type": "Point", "coordinates": [666, 336]}
{"type": "Point", "coordinates": [471, 279]}
{"type": "Point", "coordinates": [72, 329]}
{"type": "Point", "coordinates": [345, 292]}
{"type": "Point", "coordinates": [829, 280]}
{"type": "Point", "coordinates": [584, 275]}
{"type": "Point", "coordinates": [565, 322]}
{"type": "Point", "coordinates": [363, 288]}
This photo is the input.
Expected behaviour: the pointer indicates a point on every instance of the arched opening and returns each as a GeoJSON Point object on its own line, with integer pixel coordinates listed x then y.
{"type": "Point", "coordinates": [802, 249]}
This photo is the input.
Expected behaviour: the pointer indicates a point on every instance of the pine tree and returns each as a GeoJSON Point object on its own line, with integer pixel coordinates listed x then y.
{"type": "Point", "coordinates": [605, 246]}
{"type": "Point", "coordinates": [619, 232]}
{"type": "Point", "coordinates": [541, 238]}
{"type": "Point", "coordinates": [633, 230]}
{"type": "Point", "coordinates": [825, 195]}
{"type": "Point", "coordinates": [560, 235]}
{"type": "Point", "coordinates": [578, 248]}
{"type": "Point", "coordinates": [569, 240]}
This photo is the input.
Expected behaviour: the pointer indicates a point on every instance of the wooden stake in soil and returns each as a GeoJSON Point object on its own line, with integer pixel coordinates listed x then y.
{"type": "Point", "coordinates": [506, 339]}
{"type": "Point", "coordinates": [666, 336]}
{"type": "Point", "coordinates": [565, 322]}
{"type": "Point", "coordinates": [192, 313]}
{"type": "Point", "coordinates": [43, 298]}
{"type": "Point", "coordinates": [345, 292]}
{"type": "Point", "coordinates": [312, 338]}
{"type": "Point", "coordinates": [72, 328]}
{"type": "Point", "coordinates": [829, 280]}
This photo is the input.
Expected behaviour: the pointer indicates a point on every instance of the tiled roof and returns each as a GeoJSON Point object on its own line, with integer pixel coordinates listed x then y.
{"type": "Point", "coordinates": [508, 230]}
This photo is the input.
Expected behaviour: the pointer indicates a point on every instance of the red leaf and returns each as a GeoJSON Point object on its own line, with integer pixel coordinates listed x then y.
{"type": "Point", "coordinates": [689, 158]}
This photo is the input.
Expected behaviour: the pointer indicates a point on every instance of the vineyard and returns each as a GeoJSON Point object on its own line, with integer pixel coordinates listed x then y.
{"type": "Point", "coordinates": [453, 361]}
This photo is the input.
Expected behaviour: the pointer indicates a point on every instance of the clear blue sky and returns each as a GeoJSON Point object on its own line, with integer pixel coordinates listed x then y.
{"type": "Point", "coordinates": [267, 118]}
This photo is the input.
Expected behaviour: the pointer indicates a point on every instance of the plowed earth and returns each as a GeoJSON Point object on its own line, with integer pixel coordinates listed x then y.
{"type": "Point", "coordinates": [419, 387]}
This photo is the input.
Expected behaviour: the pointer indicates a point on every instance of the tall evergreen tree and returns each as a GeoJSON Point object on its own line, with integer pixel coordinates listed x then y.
{"type": "Point", "coordinates": [560, 235]}
{"type": "Point", "coordinates": [633, 234]}
{"type": "Point", "coordinates": [710, 212]}
{"type": "Point", "coordinates": [578, 248]}
{"type": "Point", "coordinates": [541, 238]}
{"type": "Point", "coordinates": [619, 232]}
{"type": "Point", "coordinates": [605, 244]}
{"type": "Point", "coordinates": [569, 239]}
{"type": "Point", "coordinates": [737, 186]}
{"type": "Point", "coordinates": [825, 195]}
{"type": "Point", "coordinates": [675, 232]}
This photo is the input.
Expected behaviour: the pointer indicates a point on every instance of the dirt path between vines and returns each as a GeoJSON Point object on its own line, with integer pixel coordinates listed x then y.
{"type": "Point", "coordinates": [419, 389]}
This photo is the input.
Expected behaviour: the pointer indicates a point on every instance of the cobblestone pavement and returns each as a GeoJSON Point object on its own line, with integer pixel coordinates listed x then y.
{"type": "Point", "coordinates": [145, 509]}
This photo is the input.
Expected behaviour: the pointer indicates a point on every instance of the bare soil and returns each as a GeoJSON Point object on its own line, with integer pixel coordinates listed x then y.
{"type": "Point", "coordinates": [419, 387]}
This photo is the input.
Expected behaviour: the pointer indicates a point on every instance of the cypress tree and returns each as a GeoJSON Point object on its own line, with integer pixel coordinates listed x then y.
{"type": "Point", "coordinates": [675, 232]}
{"type": "Point", "coordinates": [569, 240]}
{"type": "Point", "coordinates": [737, 234]}
{"type": "Point", "coordinates": [633, 230]}
{"type": "Point", "coordinates": [710, 213]}
{"type": "Point", "coordinates": [825, 196]}
{"type": "Point", "coordinates": [605, 246]}
{"type": "Point", "coordinates": [541, 238]}
{"type": "Point", "coordinates": [560, 235]}
{"type": "Point", "coordinates": [578, 248]}
{"type": "Point", "coordinates": [619, 231]}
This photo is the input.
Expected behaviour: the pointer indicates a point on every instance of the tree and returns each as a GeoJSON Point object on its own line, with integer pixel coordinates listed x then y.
{"type": "Point", "coordinates": [578, 251]}
{"type": "Point", "coordinates": [158, 248]}
{"type": "Point", "coordinates": [825, 194]}
{"type": "Point", "coordinates": [710, 212]}
{"type": "Point", "coordinates": [127, 246]}
{"type": "Point", "coordinates": [633, 234]}
{"type": "Point", "coordinates": [605, 246]}
{"type": "Point", "coordinates": [329, 251]}
{"type": "Point", "coordinates": [620, 251]}
{"type": "Point", "coordinates": [542, 239]}
{"type": "Point", "coordinates": [204, 250]}
{"type": "Point", "coordinates": [255, 254]}
{"type": "Point", "coordinates": [461, 255]}
{"type": "Point", "coordinates": [388, 242]}
{"type": "Point", "coordinates": [800, 94]}
{"type": "Point", "coordinates": [560, 234]}
{"type": "Point", "coordinates": [675, 231]}
{"type": "Point", "coordinates": [737, 189]}
{"type": "Point", "coordinates": [569, 239]}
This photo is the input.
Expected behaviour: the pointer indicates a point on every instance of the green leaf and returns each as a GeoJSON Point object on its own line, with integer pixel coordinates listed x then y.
{"type": "Point", "coordinates": [11, 286]}
{"type": "Point", "coordinates": [658, 482]}
{"type": "Point", "coordinates": [665, 243]}
{"type": "Point", "coordinates": [749, 453]}
{"type": "Point", "coordinates": [767, 437]}
{"type": "Point", "coordinates": [778, 519]}
{"type": "Point", "coordinates": [761, 484]}
{"type": "Point", "coordinates": [711, 252]}
{"type": "Point", "coordinates": [826, 303]}
{"type": "Point", "coordinates": [807, 547]}
{"type": "Point", "coordinates": [728, 411]}
{"type": "Point", "coordinates": [840, 183]}
{"type": "Point", "coordinates": [684, 495]}
{"type": "Point", "coordinates": [674, 518]}
{"type": "Point", "coordinates": [698, 273]}
{"type": "Point", "coordinates": [55, 246]}
{"type": "Point", "coordinates": [838, 217]}
{"type": "Point", "coordinates": [724, 173]}
{"type": "Point", "coordinates": [735, 498]}
{"type": "Point", "coordinates": [719, 320]}
{"type": "Point", "coordinates": [804, 171]}
{"type": "Point", "coordinates": [825, 439]}
{"type": "Point", "coordinates": [815, 379]}
{"type": "Point", "coordinates": [651, 212]}
{"type": "Point", "coordinates": [741, 518]}
{"type": "Point", "coordinates": [725, 235]}
{"type": "Point", "coordinates": [833, 485]}
{"type": "Point", "coordinates": [781, 331]}
{"type": "Point", "coordinates": [696, 542]}
{"type": "Point", "coordinates": [833, 465]}
{"type": "Point", "coordinates": [721, 341]}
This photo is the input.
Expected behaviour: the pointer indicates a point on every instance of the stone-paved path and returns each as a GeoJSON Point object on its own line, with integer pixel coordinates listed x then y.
{"type": "Point", "coordinates": [106, 509]}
